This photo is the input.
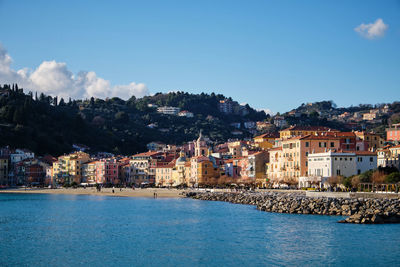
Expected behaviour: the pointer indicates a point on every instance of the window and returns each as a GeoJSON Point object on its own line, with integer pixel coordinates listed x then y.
{"type": "Point", "coordinates": [358, 171]}
{"type": "Point", "coordinates": [337, 172]}
{"type": "Point", "coordinates": [306, 154]}
{"type": "Point", "coordinates": [307, 144]}
{"type": "Point", "coordinates": [333, 144]}
{"type": "Point", "coordinates": [371, 159]}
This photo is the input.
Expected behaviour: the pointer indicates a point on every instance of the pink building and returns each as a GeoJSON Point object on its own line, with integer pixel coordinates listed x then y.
{"type": "Point", "coordinates": [106, 171]}
{"type": "Point", "coordinates": [111, 171]}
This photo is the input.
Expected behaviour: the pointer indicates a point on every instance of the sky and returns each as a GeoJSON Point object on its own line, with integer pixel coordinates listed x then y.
{"type": "Point", "coordinates": [273, 55]}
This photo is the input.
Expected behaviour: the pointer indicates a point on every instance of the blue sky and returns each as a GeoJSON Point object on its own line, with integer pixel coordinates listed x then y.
{"type": "Point", "coordinates": [271, 54]}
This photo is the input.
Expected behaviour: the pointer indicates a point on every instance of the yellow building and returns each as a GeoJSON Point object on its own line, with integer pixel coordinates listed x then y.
{"type": "Point", "coordinates": [179, 172]}
{"type": "Point", "coordinates": [68, 168]}
{"type": "Point", "coordinates": [175, 173]}
{"type": "Point", "coordinates": [265, 141]}
{"type": "Point", "coordinates": [374, 140]}
{"type": "Point", "coordinates": [89, 172]}
{"type": "Point", "coordinates": [294, 131]}
{"type": "Point", "coordinates": [3, 170]}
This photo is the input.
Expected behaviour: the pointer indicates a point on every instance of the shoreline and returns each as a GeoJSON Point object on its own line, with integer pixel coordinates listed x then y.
{"type": "Point", "coordinates": [126, 192]}
{"type": "Point", "coordinates": [360, 210]}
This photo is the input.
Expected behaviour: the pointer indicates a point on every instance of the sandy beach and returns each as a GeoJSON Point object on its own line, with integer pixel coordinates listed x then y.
{"type": "Point", "coordinates": [125, 192]}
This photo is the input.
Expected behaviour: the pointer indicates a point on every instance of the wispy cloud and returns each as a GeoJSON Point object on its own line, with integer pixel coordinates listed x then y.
{"type": "Point", "coordinates": [372, 30]}
{"type": "Point", "coordinates": [54, 78]}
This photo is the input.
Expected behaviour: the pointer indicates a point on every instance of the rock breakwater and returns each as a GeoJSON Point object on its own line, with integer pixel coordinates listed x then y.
{"type": "Point", "coordinates": [359, 210]}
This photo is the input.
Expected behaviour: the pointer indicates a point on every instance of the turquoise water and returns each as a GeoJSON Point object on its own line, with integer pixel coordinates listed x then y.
{"type": "Point", "coordinates": [63, 230]}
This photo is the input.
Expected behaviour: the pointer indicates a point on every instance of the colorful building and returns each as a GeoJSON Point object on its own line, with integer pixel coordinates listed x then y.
{"type": "Point", "coordinates": [295, 131]}
{"type": "Point", "coordinates": [265, 141]}
{"type": "Point", "coordinates": [374, 140]}
{"type": "Point", "coordinates": [68, 168]}
{"type": "Point", "coordinates": [292, 160]}
{"type": "Point", "coordinates": [393, 133]}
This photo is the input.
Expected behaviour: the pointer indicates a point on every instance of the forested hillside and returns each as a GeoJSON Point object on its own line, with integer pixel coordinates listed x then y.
{"type": "Point", "coordinates": [46, 124]}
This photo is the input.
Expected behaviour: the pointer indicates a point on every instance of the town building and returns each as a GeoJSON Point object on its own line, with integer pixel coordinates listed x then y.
{"type": "Point", "coordinates": [389, 156]}
{"type": "Point", "coordinates": [68, 168]}
{"type": "Point", "coordinates": [168, 110]}
{"type": "Point", "coordinates": [322, 166]}
{"type": "Point", "coordinates": [185, 113]}
{"type": "Point", "coordinates": [393, 133]}
{"type": "Point", "coordinates": [156, 146]}
{"type": "Point", "coordinates": [280, 122]}
{"type": "Point", "coordinates": [226, 106]}
{"type": "Point", "coordinates": [265, 141]}
{"type": "Point", "coordinates": [200, 147]}
{"type": "Point", "coordinates": [294, 131]}
{"type": "Point", "coordinates": [374, 140]}
{"type": "Point", "coordinates": [292, 159]}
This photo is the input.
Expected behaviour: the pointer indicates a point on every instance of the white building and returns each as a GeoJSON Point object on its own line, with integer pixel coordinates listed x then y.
{"type": "Point", "coordinates": [20, 155]}
{"type": "Point", "coordinates": [185, 113]}
{"type": "Point", "coordinates": [168, 110]}
{"type": "Point", "coordinates": [280, 121]}
{"type": "Point", "coordinates": [321, 166]}
{"type": "Point", "coordinates": [156, 146]}
{"type": "Point", "coordinates": [328, 164]}
{"type": "Point", "coordinates": [389, 157]}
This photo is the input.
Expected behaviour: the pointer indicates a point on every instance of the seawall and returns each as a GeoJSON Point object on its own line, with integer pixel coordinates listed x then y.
{"type": "Point", "coordinates": [359, 210]}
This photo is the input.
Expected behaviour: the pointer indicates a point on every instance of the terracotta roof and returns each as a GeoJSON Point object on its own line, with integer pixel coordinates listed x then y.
{"type": "Point", "coordinates": [348, 134]}
{"type": "Point", "coordinates": [365, 153]}
{"type": "Point", "coordinates": [146, 154]}
{"type": "Point", "coordinates": [310, 128]}
{"type": "Point", "coordinates": [169, 165]}
{"type": "Point", "coordinates": [318, 137]}
{"type": "Point", "coordinates": [267, 135]}
{"type": "Point", "coordinates": [275, 148]}
{"type": "Point", "coordinates": [398, 146]}
{"type": "Point", "coordinates": [201, 158]}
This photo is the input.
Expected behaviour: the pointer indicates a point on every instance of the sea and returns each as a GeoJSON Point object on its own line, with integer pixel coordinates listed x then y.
{"type": "Point", "coordinates": [78, 230]}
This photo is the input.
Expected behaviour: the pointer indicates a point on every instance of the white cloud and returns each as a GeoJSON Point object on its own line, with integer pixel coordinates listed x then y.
{"type": "Point", "coordinates": [54, 78]}
{"type": "Point", "coordinates": [372, 30]}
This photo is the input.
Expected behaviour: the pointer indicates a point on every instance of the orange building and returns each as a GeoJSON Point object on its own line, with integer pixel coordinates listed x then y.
{"type": "Point", "coordinates": [374, 140]}
{"type": "Point", "coordinates": [265, 141]}
{"type": "Point", "coordinates": [294, 131]}
{"type": "Point", "coordinates": [291, 162]}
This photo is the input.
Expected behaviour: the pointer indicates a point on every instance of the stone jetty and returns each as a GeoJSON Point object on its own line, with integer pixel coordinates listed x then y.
{"type": "Point", "coordinates": [359, 210]}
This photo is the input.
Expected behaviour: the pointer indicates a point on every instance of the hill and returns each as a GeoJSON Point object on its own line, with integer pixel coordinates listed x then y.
{"type": "Point", "coordinates": [46, 124]}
